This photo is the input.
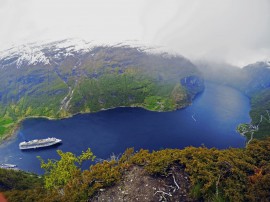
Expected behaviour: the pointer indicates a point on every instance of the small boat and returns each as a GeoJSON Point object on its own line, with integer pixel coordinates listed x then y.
{"type": "Point", "coordinates": [8, 166]}
{"type": "Point", "coordinates": [193, 117]}
{"type": "Point", "coordinates": [39, 143]}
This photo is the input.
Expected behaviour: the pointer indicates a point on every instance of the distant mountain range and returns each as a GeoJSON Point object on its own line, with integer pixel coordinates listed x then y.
{"type": "Point", "coordinates": [249, 79]}
{"type": "Point", "coordinates": [67, 77]}
{"type": "Point", "coordinates": [257, 77]}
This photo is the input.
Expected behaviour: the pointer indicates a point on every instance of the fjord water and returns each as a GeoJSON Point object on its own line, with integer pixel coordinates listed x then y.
{"type": "Point", "coordinates": [211, 120]}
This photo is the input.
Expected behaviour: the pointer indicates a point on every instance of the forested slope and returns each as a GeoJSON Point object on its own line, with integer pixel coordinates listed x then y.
{"type": "Point", "coordinates": [57, 82]}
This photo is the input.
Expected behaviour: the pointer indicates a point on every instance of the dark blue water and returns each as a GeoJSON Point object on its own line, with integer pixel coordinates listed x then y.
{"type": "Point", "coordinates": [216, 113]}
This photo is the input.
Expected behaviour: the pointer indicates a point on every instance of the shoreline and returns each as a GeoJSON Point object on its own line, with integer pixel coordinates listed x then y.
{"type": "Point", "coordinates": [13, 132]}
{"type": "Point", "coordinates": [17, 124]}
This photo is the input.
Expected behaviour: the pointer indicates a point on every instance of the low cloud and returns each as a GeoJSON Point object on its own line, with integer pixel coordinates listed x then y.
{"type": "Point", "coordinates": [233, 31]}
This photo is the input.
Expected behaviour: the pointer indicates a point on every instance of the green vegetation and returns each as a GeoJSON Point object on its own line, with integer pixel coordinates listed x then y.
{"type": "Point", "coordinates": [260, 109]}
{"type": "Point", "coordinates": [215, 175]}
{"type": "Point", "coordinates": [243, 128]}
{"type": "Point", "coordinates": [18, 180]}
{"type": "Point", "coordinates": [107, 77]}
{"type": "Point", "coordinates": [59, 173]}
{"type": "Point", "coordinates": [260, 115]}
{"type": "Point", "coordinates": [157, 103]}
{"type": "Point", "coordinates": [6, 125]}
{"type": "Point", "coordinates": [246, 129]}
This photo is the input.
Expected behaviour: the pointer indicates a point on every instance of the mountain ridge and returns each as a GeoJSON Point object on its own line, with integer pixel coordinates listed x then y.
{"type": "Point", "coordinates": [59, 79]}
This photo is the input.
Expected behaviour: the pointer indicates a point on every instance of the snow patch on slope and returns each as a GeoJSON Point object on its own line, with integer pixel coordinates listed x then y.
{"type": "Point", "coordinates": [31, 56]}
{"type": "Point", "coordinates": [74, 45]}
{"type": "Point", "coordinates": [35, 53]}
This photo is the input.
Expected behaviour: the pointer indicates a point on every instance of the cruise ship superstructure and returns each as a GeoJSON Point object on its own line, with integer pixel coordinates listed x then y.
{"type": "Point", "coordinates": [39, 143]}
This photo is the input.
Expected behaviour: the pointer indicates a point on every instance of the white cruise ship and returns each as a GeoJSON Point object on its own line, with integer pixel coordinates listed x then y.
{"type": "Point", "coordinates": [39, 143]}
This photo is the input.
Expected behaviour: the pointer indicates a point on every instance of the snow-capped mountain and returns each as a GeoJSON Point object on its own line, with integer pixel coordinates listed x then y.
{"type": "Point", "coordinates": [259, 64]}
{"type": "Point", "coordinates": [44, 53]}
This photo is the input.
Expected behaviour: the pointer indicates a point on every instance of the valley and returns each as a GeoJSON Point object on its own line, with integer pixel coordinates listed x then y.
{"type": "Point", "coordinates": [252, 80]}
{"type": "Point", "coordinates": [65, 81]}
{"type": "Point", "coordinates": [96, 97]}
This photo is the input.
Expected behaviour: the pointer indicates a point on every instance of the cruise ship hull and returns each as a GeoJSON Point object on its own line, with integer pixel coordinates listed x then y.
{"type": "Point", "coordinates": [35, 144]}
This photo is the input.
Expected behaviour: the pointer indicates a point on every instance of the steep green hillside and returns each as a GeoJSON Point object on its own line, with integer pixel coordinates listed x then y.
{"type": "Point", "coordinates": [100, 78]}
{"type": "Point", "coordinates": [19, 180]}
{"type": "Point", "coordinates": [204, 174]}
{"type": "Point", "coordinates": [260, 113]}
{"type": "Point", "coordinates": [257, 87]}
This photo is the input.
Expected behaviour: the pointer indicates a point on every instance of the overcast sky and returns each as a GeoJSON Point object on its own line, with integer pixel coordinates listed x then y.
{"type": "Point", "coordinates": [234, 31]}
